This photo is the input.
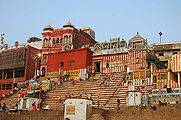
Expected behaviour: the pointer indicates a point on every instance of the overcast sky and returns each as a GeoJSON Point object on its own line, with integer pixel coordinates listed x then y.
{"type": "Point", "coordinates": [21, 19]}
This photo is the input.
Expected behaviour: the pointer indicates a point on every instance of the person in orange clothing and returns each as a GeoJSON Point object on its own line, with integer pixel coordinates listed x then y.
{"type": "Point", "coordinates": [10, 102]}
{"type": "Point", "coordinates": [28, 88]}
{"type": "Point", "coordinates": [34, 106]}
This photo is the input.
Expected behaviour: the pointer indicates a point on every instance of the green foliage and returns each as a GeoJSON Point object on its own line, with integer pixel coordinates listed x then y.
{"type": "Point", "coordinates": [153, 59]}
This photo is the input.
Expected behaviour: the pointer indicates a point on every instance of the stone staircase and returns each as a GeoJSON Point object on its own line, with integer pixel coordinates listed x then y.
{"type": "Point", "coordinates": [108, 87]}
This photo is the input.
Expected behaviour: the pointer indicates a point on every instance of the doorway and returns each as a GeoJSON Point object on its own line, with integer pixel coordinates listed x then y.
{"type": "Point", "coordinates": [97, 67]}
{"type": "Point", "coordinates": [24, 103]}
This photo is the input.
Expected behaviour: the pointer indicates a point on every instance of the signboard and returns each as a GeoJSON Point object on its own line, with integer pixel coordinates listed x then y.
{"type": "Point", "coordinates": [46, 85]}
{"type": "Point", "coordinates": [95, 58]}
{"type": "Point", "coordinates": [175, 92]}
{"type": "Point", "coordinates": [164, 91]}
{"type": "Point", "coordinates": [73, 73]}
{"type": "Point", "coordinates": [52, 74]}
{"type": "Point", "coordinates": [138, 74]}
{"type": "Point", "coordinates": [70, 110]}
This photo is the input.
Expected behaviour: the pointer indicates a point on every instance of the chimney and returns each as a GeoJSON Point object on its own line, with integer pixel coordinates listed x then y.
{"type": "Point", "coordinates": [16, 44]}
{"type": "Point", "coordinates": [6, 46]}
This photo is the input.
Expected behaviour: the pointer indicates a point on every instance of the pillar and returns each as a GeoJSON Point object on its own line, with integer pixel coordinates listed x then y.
{"type": "Point", "coordinates": [13, 79]}
{"type": "Point", "coordinates": [168, 85]}
{"type": "Point", "coordinates": [178, 79]}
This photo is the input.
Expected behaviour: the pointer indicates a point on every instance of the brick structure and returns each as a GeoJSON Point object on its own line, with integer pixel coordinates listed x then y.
{"type": "Point", "coordinates": [17, 65]}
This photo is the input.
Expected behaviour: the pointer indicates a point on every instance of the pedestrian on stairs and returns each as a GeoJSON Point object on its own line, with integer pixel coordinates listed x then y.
{"type": "Point", "coordinates": [97, 101]}
{"type": "Point", "coordinates": [80, 96]}
{"type": "Point", "coordinates": [73, 82]}
{"type": "Point", "coordinates": [93, 73]}
{"type": "Point", "coordinates": [68, 95]}
{"type": "Point", "coordinates": [60, 98]}
{"type": "Point", "coordinates": [118, 103]}
{"type": "Point", "coordinates": [10, 102]}
{"type": "Point", "coordinates": [3, 107]}
{"type": "Point", "coordinates": [16, 106]}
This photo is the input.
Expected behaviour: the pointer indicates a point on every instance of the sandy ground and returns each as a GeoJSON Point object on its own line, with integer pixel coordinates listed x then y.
{"type": "Point", "coordinates": [169, 112]}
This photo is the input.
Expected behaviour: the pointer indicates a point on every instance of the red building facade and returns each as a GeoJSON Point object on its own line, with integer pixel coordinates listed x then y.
{"type": "Point", "coordinates": [74, 63]}
{"type": "Point", "coordinates": [64, 40]}
{"type": "Point", "coordinates": [17, 65]}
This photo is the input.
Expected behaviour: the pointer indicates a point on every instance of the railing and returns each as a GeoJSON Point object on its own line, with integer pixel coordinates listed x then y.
{"type": "Point", "coordinates": [116, 90]}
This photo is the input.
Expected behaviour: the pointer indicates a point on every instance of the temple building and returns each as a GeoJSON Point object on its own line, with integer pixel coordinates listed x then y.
{"type": "Point", "coordinates": [110, 56]}
{"type": "Point", "coordinates": [66, 45]}
{"type": "Point", "coordinates": [136, 67]}
{"type": "Point", "coordinates": [129, 61]}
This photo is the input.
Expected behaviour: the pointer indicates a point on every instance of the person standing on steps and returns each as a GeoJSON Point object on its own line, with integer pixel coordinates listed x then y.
{"type": "Point", "coordinates": [68, 95]}
{"type": "Point", "coordinates": [60, 98]}
{"type": "Point", "coordinates": [97, 101]}
{"type": "Point", "coordinates": [3, 107]}
{"type": "Point", "coordinates": [118, 103]}
{"type": "Point", "coordinates": [10, 102]}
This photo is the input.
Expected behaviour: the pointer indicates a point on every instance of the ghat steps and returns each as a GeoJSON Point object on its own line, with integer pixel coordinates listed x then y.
{"type": "Point", "coordinates": [109, 87]}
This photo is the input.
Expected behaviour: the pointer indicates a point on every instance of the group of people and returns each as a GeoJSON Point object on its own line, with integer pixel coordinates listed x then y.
{"type": "Point", "coordinates": [4, 107]}
{"type": "Point", "coordinates": [22, 93]}
{"type": "Point", "coordinates": [155, 104]}
{"type": "Point", "coordinates": [86, 96]}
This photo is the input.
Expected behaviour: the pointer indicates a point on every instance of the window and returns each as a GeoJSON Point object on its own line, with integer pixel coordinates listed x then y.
{"type": "Point", "coordinates": [162, 76]}
{"type": "Point", "coordinates": [61, 64]}
{"type": "Point", "coordinates": [44, 59]}
{"type": "Point", "coordinates": [8, 74]}
{"type": "Point", "coordinates": [107, 64]}
{"type": "Point", "coordinates": [43, 71]}
{"type": "Point", "coordinates": [19, 73]}
{"type": "Point", "coordinates": [60, 40]}
{"type": "Point", "coordinates": [72, 63]}
{"type": "Point", "coordinates": [66, 39]}
{"type": "Point", "coordinates": [154, 78]}
{"type": "Point", "coordinates": [161, 54]}
{"type": "Point", "coordinates": [137, 60]}
{"type": "Point", "coordinates": [53, 42]}
{"type": "Point", "coordinates": [174, 53]}
{"type": "Point", "coordinates": [57, 42]}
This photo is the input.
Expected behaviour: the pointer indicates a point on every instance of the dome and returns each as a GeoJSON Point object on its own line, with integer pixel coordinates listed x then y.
{"type": "Point", "coordinates": [48, 28]}
{"type": "Point", "coordinates": [68, 24]}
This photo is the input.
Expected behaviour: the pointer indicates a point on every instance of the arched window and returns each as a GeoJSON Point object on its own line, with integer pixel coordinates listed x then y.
{"type": "Point", "coordinates": [53, 42]}
{"type": "Point", "coordinates": [48, 42]}
{"type": "Point", "coordinates": [70, 38]}
{"type": "Point", "coordinates": [43, 71]}
{"type": "Point", "coordinates": [57, 42]}
{"type": "Point", "coordinates": [60, 40]}
{"type": "Point", "coordinates": [44, 42]}
{"type": "Point", "coordinates": [66, 39]}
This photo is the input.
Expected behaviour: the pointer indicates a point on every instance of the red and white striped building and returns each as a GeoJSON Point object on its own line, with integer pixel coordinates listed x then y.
{"type": "Point", "coordinates": [169, 54]}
